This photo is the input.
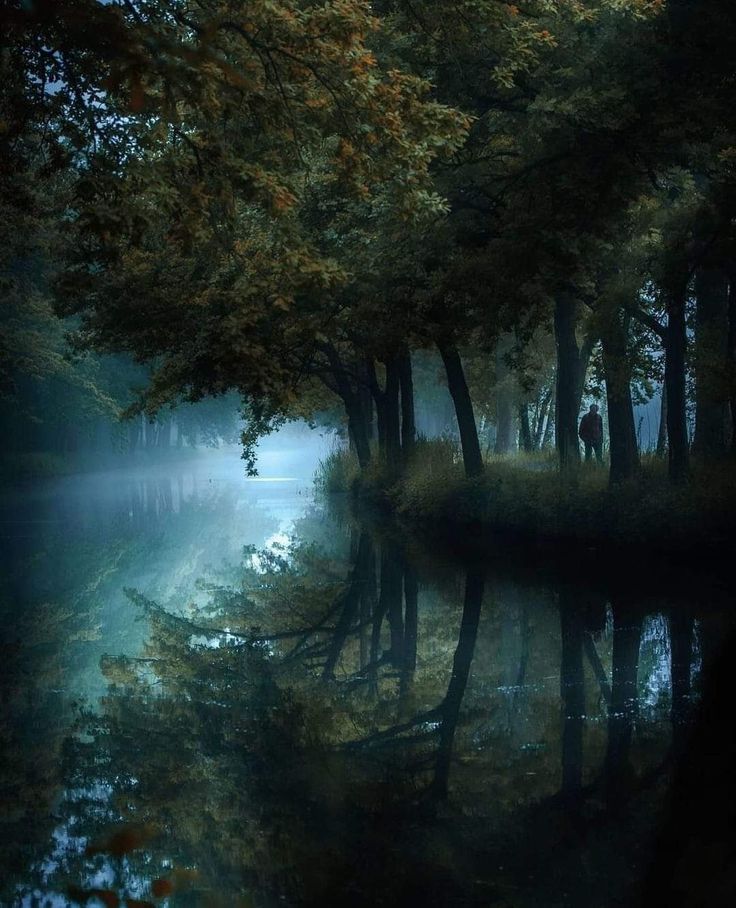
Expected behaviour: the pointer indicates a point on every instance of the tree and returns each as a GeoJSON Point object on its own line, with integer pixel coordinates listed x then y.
{"type": "Point", "coordinates": [206, 212]}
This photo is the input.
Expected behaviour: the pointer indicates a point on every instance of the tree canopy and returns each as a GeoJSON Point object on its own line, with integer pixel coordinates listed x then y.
{"type": "Point", "coordinates": [274, 197]}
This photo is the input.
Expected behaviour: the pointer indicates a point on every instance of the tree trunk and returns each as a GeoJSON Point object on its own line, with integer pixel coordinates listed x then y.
{"type": "Point", "coordinates": [408, 422]}
{"type": "Point", "coordinates": [472, 458]}
{"type": "Point", "coordinates": [380, 401]}
{"type": "Point", "coordinates": [711, 357]}
{"type": "Point", "coordinates": [674, 376]}
{"type": "Point", "coordinates": [358, 434]}
{"type": "Point", "coordinates": [366, 403]}
{"type": "Point", "coordinates": [525, 429]}
{"type": "Point", "coordinates": [662, 432]}
{"type": "Point", "coordinates": [392, 419]}
{"type": "Point", "coordinates": [732, 355]}
{"type": "Point", "coordinates": [621, 429]}
{"type": "Point", "coordinates": [504, 400]}
{"type": "Point", "coordinates": [542, 420]}
{"type": "Point", "coordinates": [568, 368]}
{"type": "Point", "coordinates": [351, 399]}
{"type": "Point", "coordinates": [381, 426]}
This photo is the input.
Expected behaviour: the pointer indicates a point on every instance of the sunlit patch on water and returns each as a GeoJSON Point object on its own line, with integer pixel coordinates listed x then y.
{"type": "Point", "coordinates": [276, 545]}
{"type": "Point", "coordinates": [215, 641]}
{"type": "Point", "coordinates": [278, 542]}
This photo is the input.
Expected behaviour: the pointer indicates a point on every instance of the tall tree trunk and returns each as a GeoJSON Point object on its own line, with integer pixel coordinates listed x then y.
{"type": "Point", "coordinates": [662, 432]}
{"type": "Point", "coordinates": [674, 377]}
{"type": "Point", "coordinates": [379, 400]}
{"type": "Point", "coordinates": [472, 458]}
{"type": "Point", "coordinates": [408, 421]}
{"type": "Point", "coordinates": [357, 430]}
{"type": "Point", "coordinates": [711, 358]}
{"type": "Point", "coordinates": [366, 403]}
{"type": "Point", "coordinates": [525, 429]}
{"type": "Point", "coordinates": [568, 370]}
{"type": "Point", "coordinates": [392, 419]}
{"type": "Point", "coordinates": [542, 419]}
{"type": "Point", "coordinates": [622, 431]}
{"type": "Point", "coordinates": [550, 431]}
{"type": "Point", "coordinates": [504, 399]}
{"type": "Point", "coordinates": [381, 426]}
{"type": "Point", "coordinates": [353, 407]}
{"type": "Point", "coordinates": [732, 354]}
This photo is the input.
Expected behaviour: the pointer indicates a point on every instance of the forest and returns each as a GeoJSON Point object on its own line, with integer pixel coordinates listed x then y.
{"type": "Point", "coordinates": [368, 399]}
{"type": "Point", "coordinates": [294, 201]}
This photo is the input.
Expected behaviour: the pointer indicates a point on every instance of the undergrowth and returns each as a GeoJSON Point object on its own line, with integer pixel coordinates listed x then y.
{"type": "Point", "coordinates": [526, 495]}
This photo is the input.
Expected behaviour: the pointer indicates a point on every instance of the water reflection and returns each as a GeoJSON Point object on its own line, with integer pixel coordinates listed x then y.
{"type": "Point", "coordinates": [69, 548]}
{"type": "Point", "coordinates": [335, 720]}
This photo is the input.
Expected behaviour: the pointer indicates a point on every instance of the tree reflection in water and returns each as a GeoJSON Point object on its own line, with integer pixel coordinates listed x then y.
{"type": "Point", "coordinates": [341, 726]}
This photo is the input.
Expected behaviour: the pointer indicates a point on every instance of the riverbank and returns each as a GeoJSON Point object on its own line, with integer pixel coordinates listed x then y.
{"type": "Point", "coordinates": [526, 499]}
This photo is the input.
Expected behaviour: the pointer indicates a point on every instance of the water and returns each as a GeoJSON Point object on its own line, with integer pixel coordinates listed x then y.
{"type": "Point", "coordinates": [220, 692]}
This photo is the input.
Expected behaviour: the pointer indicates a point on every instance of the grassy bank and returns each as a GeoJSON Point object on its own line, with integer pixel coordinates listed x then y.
{"type": "Point", "coordinates": [525, 497]}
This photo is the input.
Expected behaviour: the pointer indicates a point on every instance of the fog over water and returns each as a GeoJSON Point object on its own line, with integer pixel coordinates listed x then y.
{"type": "Point", "coordinates": [177, 520]}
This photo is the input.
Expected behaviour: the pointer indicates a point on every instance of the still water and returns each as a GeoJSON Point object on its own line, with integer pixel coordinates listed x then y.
{"type": "Point", "coordinates": [222, 692]}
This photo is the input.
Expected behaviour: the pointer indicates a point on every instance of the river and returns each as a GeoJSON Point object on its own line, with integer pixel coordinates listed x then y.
{"type": "Point", "coordinates": [221, 691]}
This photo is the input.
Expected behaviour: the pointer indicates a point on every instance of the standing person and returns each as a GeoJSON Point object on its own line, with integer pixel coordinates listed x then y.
{"type": "Point", "coordinates": [591, 432]}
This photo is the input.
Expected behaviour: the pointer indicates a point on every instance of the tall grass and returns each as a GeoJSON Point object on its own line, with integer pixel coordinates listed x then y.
{"type": "Point", "coordinates": [530, 497]}
{"type": "Point", "coordinates": [338, 471]}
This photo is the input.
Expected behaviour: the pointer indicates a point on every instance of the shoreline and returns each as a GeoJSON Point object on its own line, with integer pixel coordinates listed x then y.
{"type": "Point", "coordinates": [551, 516]}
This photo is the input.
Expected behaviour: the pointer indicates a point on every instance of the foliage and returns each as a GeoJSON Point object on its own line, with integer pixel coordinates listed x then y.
{"type": "Point", "coordinates": [525, 499]}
